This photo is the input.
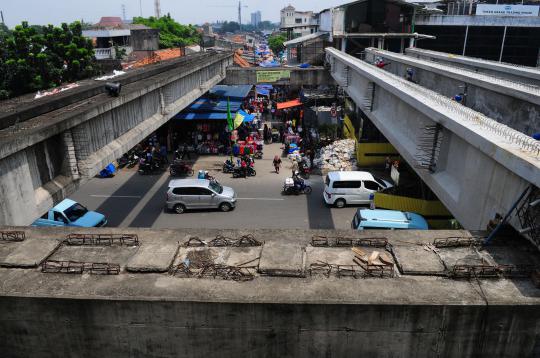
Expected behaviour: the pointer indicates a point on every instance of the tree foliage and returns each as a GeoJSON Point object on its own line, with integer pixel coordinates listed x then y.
{"type": "Point", "coordinates": [171, 33]}
{"type": "Point", "coordinates": [229, 26]}
{"type": "Point", "coordinates": [40, 57]}
{"type": "Point", "coordinates": [276, 43]}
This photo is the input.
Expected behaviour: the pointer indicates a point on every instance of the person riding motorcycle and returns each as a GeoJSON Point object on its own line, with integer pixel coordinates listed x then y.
{"type": "Point", "coordinates": [298, 182]}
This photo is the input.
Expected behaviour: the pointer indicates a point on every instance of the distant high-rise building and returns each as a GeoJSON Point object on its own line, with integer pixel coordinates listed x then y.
{"type": "Point", "coordinates": [256, 18]}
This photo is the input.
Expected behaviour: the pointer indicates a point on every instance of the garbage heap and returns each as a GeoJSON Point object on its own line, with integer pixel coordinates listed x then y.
{"type": "Point", "coordinates": [340, 155]}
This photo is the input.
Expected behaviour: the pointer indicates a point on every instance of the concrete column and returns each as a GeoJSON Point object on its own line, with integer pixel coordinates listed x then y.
{"type": "Point", "coordinates": [465, 41]}
{"type": "Point", "coordinates": [502, 44]}
{"type": "Point", "coordinates": [344, 44]}
{"type": "Point", "coordinates": [70, 163]}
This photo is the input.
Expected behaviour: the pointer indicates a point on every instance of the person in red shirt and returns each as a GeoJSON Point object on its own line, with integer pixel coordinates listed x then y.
{"type": "Point", "coordinates": [243, 164]}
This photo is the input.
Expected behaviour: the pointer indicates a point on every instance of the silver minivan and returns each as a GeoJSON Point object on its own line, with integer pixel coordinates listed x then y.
{"type": "Point", "coordinates": [199, 194]}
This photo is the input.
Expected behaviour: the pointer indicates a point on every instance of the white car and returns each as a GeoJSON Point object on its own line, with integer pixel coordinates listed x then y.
{"type": "Point", "coordinates": [352, 187]}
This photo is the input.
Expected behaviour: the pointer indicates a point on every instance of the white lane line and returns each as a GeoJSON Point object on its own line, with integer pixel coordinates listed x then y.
{"type": "Point", "coordinates": [262, 199]}
{"type": "Point", "coordinates": [116, 196]}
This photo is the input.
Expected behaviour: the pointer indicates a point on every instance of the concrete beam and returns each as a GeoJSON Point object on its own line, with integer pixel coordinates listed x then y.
{"type": "Point", "coordinates": [289, 76]}
{"type": "Point", "coordinates": [521, 74]}
{"type": "Point", "coordinates": [483, 165]}
{"type": "Point", "coordinates": [512, 103]}
{"type": "Point", "coordinates": [93, 134]}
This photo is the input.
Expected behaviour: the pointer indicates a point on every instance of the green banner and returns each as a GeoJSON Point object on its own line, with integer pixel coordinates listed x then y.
{"type": "Point", "coordinates": [272, 76]}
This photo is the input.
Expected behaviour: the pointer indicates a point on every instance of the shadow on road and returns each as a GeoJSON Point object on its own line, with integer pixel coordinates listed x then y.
{"type": "Point", "coordinates": [320, 216]}
{"type": "Point", "coordinates": [116, 211]}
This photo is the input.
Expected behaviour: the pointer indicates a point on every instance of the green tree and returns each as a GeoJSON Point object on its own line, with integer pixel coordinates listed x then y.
{"type": "Point", "coordinates": [231, 26]}
{"type": "Point", "coordinates": [171, 33]}
{"type": "Point", "coordinates": [276, 43]}
{"type": "Point", "coordinates": [40, 57]}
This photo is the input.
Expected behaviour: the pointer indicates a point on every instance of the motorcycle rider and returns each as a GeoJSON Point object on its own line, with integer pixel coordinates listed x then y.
{"type": "Point", "coordinates": [298, 182]}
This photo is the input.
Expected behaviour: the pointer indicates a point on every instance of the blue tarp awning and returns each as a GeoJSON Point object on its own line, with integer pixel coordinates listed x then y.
{"type": "Point", "coordinates": [265, 86]}
{"type": "Point", "coordinates": [233, 92]}
{"type": "Point", "coordinates": [204, 116]}
{"type": "Point", "coordinates": [207, 105]}
{"type": "Point", "coordinates": [269, 64]}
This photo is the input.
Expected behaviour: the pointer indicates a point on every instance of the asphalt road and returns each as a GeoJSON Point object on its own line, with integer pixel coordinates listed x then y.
{"type": "Point", "coordinates": [133, 200]}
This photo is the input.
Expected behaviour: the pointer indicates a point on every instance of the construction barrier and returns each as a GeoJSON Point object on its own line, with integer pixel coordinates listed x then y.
{"type": "Point", "coordinates": [427, 208]}
{"type": "Point", "coordinates": [373, 154]}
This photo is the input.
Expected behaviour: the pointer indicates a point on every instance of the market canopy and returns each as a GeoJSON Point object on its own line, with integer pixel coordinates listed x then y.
{"type": "Point", "coordinates": [233, 92]}
{"type": "Point", "coordinates": [208, 105]}
{"type": "Point", "coordinates": [201, 116]}
{"type": "Point", "coordinates": [293, 103]}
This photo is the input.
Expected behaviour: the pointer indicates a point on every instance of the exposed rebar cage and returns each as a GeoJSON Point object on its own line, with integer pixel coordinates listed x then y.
{"type": "Point", "coordinates": [529, 216]}
{"type": "Point", "coordinates": [429, 147]}
{"type": "Point", "coordinates": [76, 267]}
{"type": "Point", "coordinates": [102, 240]}
{"type": "Point", "coordinates": [12, 236]}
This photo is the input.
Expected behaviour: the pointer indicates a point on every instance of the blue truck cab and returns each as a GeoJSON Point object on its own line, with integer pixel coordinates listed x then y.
{"type": "Point", "coordinates": [387, 219]}
{"type": "Point", "coordinates": [71, 213]}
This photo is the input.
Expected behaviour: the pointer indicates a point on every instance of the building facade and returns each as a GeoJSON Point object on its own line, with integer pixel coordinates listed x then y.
{"type": "Point", "coordinates": [256, 18]}
{"type": "Point", "coordinates": [298, 23]}
{"type": "Point", "coordinates": [504, 32]}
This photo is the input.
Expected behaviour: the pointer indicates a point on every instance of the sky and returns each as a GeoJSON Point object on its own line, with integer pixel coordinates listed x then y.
{"type": "Point", "coordinates": [43, 12]}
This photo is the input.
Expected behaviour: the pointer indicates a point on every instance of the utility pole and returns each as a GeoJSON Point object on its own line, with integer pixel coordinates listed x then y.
{"type": "Point", "coordinates": [140, 7]}
{"type": "Point", "coordinates": [124, 12]}
{"type": "Point", "coordinates": [2, 15]}
{"type": "Point", "coordinates": [157, 9]}
{"type": "Point", "coordinates": [240, 14]}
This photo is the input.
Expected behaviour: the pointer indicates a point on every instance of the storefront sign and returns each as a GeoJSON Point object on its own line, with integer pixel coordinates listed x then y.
{"type": "Point", "coordinates": [507, 10]}
{"type": "Point", "coordinates": [272, 76]}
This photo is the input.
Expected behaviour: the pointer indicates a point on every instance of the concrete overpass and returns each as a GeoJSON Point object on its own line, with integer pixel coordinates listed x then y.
{"type": "Point", "coordinates": [512, 103]}
{"type": "Point", "coordinates": [48, 150]}
{"type": "Point", "coordinates": [292, 76]}
{"type": "Point", "coordinates": [476, 166]}
{"type": "Point", "coordinates": [278, 293]}
{"type": "Point", "coordinates": [522, 74]}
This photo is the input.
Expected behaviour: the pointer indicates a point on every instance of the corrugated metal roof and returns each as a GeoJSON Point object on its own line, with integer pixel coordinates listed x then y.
{"type": "Point", "coordinates": [233, 92]}
{"type": "Point", "coordinates": [305, 38]}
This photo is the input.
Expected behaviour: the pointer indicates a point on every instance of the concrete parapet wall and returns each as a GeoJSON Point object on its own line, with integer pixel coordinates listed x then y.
{"type": "Point", "coordinates": [40, 327]}
{"type": "Point", "coordinates": [147, 310]}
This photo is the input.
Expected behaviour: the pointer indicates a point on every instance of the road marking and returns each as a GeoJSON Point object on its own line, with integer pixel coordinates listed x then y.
{"type": "Point", "coordinates": [116, 196]}
{"type": "Point", "coordinates": [262, 199]}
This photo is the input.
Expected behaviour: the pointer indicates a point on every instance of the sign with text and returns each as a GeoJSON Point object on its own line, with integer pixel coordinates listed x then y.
{"type": "Point", "coordinates": [272, 76]}
{"type": "Point", "coordinates": [507, 10]}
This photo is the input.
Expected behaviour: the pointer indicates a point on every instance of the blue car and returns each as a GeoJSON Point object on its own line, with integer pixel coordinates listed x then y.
{"type": "Point", "coordinates": [387, 219]}
{"type": "Point", "coordinates": [71, 213]}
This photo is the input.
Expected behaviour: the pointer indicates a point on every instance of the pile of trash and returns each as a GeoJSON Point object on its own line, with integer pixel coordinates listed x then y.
{"type": "Point", "coordinates": [340, 155]}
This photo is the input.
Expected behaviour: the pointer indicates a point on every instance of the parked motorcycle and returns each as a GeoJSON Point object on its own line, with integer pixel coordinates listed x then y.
{"type": "Point", "coordinates": [146, 167]}
{"type": "Point", "coordinates": [238, 172]}
{"type": "Point", "coordinates": [178, 168]}
{"type": "Point", "coordinates": [296, 186]}
{"type": "Point", "coordinates": [228, 166]}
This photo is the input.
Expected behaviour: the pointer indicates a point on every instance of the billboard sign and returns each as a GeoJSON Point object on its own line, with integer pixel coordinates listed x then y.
{"type": "Point", "coordinates": [507, 10]}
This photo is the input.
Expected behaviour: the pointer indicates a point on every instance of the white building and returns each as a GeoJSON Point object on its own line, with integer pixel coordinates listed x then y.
{"type": "Point", "coordinates": [298, 23]}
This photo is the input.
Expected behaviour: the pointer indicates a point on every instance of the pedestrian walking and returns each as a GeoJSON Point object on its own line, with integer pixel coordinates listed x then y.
{"type": "Point", "coordinates": [294, 167]}
{"type": "Point", "coordinates": [277, 163]}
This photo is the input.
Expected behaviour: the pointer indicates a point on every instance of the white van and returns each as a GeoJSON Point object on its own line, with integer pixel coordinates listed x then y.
{"type": "Point", "coordinates": [354, 187]}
